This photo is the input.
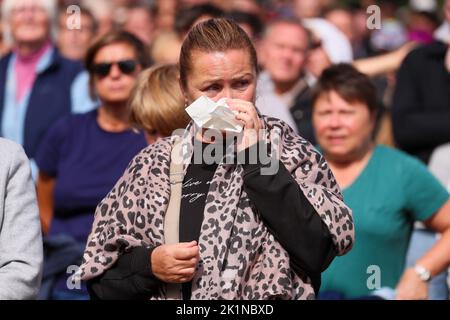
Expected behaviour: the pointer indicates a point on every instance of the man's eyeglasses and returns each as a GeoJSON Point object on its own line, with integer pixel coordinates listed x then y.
{"type": "Point", "coordinates": [103, 69]}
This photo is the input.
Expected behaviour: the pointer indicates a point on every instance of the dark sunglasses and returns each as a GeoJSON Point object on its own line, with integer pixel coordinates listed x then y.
{"type": "Point", "coordinates": [103, 69]}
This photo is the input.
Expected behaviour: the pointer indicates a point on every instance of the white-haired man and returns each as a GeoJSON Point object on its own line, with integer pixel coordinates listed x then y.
{"type": "Point", "coordinates": [37, 85]}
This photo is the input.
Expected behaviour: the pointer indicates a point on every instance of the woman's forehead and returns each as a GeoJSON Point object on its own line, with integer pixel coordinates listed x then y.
{"type": "Point", "coordinates": [234, 61]}
{"type": "Point", "coordinates": [28, 3]}
{"type": "Point", "coordinates": [333, 99]}
{"type": "Point", "coordinates": [115, 49]}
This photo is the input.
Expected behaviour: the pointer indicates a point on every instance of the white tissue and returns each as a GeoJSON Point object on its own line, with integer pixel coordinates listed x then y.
{"type": "Point", "coordinates": [213, 115]}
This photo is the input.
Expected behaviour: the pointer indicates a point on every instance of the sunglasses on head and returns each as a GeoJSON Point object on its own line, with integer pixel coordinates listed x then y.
{"type": "Point", "coordinates": [103, 69]}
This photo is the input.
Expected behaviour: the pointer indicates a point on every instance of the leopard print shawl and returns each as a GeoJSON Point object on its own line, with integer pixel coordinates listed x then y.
{"type": "Point", "coordinates": [239, 257]}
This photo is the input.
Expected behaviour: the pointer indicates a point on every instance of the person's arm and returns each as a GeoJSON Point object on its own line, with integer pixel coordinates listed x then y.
{"type": "Point", "coordinates": [290, 217]}
{"type": "Point", "coordinates": [425, 199]}
{"type": "Point", "coordinates": [139, 273]}
{"type": "Point", "coordinates": [131, 278]}
{"type": "Point", "coordinates": [171, 263]}
{"type": "Point", "coordinates": [20, 233]}
{"type": "Point", "coordinates": [45, 190]}
{"type": "Point", "coordinates": [436, 260]}
{"type": "Point", "coordinates": [313, 179]}
{"type": "Point", "coordinates": [384, 63]}
{"type": "Point", "coordinates": [416, 124]}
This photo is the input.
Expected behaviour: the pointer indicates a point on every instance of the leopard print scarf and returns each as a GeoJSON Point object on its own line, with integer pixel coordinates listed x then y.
{"type": "Point", "coordinates": [239, 257]}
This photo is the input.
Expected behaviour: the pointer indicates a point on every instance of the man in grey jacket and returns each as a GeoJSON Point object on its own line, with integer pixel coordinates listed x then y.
{"type": "Point", "coordinates": [20, 232]}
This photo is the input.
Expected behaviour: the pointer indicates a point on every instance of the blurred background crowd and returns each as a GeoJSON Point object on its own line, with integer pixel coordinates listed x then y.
{"type": "Point", "coordinates": [340, 31]}
{"type": "Point", "coordinates": [70, 109]}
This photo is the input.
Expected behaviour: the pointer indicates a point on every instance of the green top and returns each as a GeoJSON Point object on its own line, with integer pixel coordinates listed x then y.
{"type": "Point", "coordinates": [392, 192]}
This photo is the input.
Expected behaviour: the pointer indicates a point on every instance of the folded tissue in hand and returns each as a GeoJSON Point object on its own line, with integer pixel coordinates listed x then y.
{"type": "Point", "coordinates": [214, 115]}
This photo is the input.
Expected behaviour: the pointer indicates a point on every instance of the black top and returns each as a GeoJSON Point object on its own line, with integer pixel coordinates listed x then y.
{"type": "Point", "coordinates": [284, 208]}
{"type": "Point", "coordinates": [196, 184]}
{"type": "Point", "coordinates": [193, 199]}
{"type": "Point", "coordinates": [301, 111]}
{"type": "Point", "coordinates": [421, 105]}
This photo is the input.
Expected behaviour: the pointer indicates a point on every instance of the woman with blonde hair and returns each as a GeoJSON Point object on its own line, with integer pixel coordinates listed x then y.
{"type": "Point", "coordinates": [157, 103]}
{"type": "Point", "coordinates": [166, 47]}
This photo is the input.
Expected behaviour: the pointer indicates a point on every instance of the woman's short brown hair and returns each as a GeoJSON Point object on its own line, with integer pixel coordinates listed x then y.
{"type": "Point", "coordinates": [350, 84]}
{"type": "Point", "coordinates": [113, 37]}
{"type": "Point", "coordinates": [157, 103]}
{"type": "Point", "coordinates": [214, 35]}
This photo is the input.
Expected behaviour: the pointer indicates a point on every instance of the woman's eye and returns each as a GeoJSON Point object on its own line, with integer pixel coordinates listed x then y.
{"type": "Point", "coordinates": [242, 84]}
{"type": "Point", "coordinates": [213, 87]}
{"type": "Point", "coordinates": [323, 113]}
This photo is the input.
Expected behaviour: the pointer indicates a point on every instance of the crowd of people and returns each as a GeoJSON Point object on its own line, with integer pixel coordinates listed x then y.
{"type": "Point", "coordinates": [95, 204]}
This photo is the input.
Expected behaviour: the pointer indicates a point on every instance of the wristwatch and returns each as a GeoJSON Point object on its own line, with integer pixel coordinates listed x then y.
{"type": "Point", "coordinates": [423, 273]}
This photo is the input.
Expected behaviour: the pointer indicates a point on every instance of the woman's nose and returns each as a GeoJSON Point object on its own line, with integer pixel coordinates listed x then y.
{"type": "Point", "coordinates": [28, 15]}
{"type": "Point", "coordinates": [335, 120]}
{"type": "Point", "coordinates": [226, 93]}
{"type": "Point", "coordinates": [115, 71]}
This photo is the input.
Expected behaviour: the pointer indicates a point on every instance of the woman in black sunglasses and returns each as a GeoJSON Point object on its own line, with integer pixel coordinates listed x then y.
{"type": "Point", "coordinates": [82, 156]}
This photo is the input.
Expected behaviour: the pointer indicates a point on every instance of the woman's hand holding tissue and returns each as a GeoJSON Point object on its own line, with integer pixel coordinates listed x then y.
{"type": "Point", "coordinates": [251, 122]}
